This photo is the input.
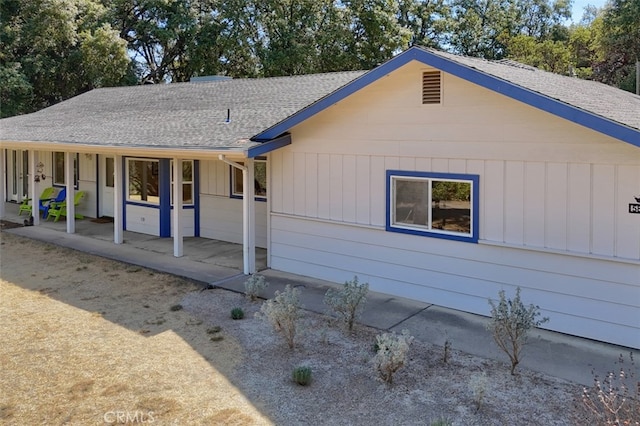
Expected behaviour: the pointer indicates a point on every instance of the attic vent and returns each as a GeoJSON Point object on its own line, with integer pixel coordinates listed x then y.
{"type": "Point", "coordinates": [431, 87]}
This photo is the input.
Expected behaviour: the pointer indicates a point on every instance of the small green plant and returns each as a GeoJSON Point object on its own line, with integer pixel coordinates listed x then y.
{"type": "Point", "coordinates": [215, 329]}
{"type": "Point", "coordinates": [175, 308]}
{"type": "Point", "coordinates": [510, 324]}
{"type": "Point", "coordinates": [614, 400]}
{"type": "Point", "coordinates": [392, 354]}
{"type": "Point", "coordinates": [217, 338]}
{"type": "Point", "coordinates": [302, 375]}
{"type": "Point", "coordinates": [478, 384]}
{"type": "Point", "coordinates": [237, 314]}
{"type": "Point", "coordinates": [254, 286]}
{"type": "Point", "coordinates": [283, 313]}
{"type": "Point", "coordinates": [348, 302]}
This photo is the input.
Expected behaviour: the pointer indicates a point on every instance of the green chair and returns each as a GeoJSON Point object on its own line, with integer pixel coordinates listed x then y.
{"type": "Point", "coordinates": [60, 209]}
{"type": "Point", "coordinates": [47, 195]}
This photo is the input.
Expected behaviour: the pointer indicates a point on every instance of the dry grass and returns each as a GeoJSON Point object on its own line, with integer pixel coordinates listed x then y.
{"type": "Point", "coordinates": [82, 345]}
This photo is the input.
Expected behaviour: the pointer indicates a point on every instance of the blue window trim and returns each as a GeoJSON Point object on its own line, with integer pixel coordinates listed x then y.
{"type": "Point", "coordinates": [77, 172]}
{"type": "Point", "coordinates": [241, 197]}
{"type": "Point", "coordinates": [475, 204]}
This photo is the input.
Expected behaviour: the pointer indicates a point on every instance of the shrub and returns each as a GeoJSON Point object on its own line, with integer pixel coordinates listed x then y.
{"type": "Point", "coordinates": [510, 324]}
{"type": "Point", "coordinates": [254, 286]}
{"type": "Point", "coordinates": [237, 313]}
{"type": "Point", "coordinates": [175, 308]}
{"type": "Point", "coordinates": [348, 302]}
{"type": "Point", "coordinates": [391, 354]}
{"type": "Point", "coordinates": [302, 375]}
{"type": "Point", "coordinates": [283, 312]}
{"type": "Point", "coordinates": [613, 401]}
{"type": "Point", "coordinates": [478, 384]}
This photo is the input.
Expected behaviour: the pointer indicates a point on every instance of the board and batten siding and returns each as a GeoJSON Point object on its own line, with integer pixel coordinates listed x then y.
{"type": "Point", "coordinates": [552, 209]}
{"type": "Point", "coordinates": [220, 215]}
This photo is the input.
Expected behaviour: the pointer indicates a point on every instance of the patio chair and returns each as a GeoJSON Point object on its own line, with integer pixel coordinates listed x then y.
{"type": "Point", "coordinates": [59, 199]}
{"type": "Point", "coordinates": [46, 196]}
{"type": "Point", "coordinates": [60, 209]}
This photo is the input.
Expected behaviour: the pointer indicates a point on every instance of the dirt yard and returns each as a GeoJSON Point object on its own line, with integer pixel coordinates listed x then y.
{"type": "Point", "coordinates": [91, 341]}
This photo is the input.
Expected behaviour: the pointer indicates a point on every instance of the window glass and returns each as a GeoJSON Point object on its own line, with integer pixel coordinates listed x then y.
{"type": "Point", "coordinates": [430, 203]}
{"type": "Point", "coordinates": [58, 169]}
{"type": "Point", "coordinates": [187, 182]}
{"type": "Point", "coordinates": [109, 171]}
{"type": "Point", "coordinates": [142, 181]}
{"type": "Point", "coordinates": [260, 179]}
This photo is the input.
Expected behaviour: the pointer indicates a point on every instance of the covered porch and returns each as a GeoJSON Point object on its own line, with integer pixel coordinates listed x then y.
{"type": "Point", "coordinates": [220, 258]}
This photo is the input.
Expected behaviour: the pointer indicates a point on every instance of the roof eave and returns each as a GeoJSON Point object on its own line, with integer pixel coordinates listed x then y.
{"type": "Point", "coordinates": [128, 150]}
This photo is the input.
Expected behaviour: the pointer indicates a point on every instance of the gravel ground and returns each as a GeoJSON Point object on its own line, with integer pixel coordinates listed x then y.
{"type": "Point", "coordinates": [84, 337]}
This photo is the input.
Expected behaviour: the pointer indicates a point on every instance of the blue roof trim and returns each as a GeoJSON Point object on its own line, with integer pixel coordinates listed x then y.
{"type": "Point", "coordinates": [269, 145]}
{"type": "Point", "coordinates": [534, 99]}
{"type": "Point", "coordinates": [346, 90]}
{"type": "Point", "coordinates": [522, 94]}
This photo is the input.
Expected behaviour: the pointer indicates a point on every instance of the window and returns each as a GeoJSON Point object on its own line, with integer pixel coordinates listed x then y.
{"type": "Point", "coordinates": [58, 169]}
{"type": "Point", "coordinates": [110, 169]}
{"type": "Point", "coordinates": [433, 204]}
{"type": "Point", "coordinates": [260, 179]}
{"type": "Point", "coordinates": [187, 182]}
{"type": "Point", "coordinates": [142, 181]}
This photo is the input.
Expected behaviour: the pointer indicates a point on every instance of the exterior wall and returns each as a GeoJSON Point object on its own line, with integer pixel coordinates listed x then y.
{"type": "Point", "coordinates": [220, 215]}
{"type": "Point", "coordinates": [553, 204]}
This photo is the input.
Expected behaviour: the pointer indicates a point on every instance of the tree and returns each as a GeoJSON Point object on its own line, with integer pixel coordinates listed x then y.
{"type": "Point", "coordinates": [620, 44]}
{"type": "Point", "coordinates": [56, 49]}
{"type": "Point", "coordinates": [427, 21]}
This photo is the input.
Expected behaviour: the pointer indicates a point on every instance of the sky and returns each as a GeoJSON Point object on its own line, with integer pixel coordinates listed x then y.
{"type": "Point", "coordinates": [578, 8]}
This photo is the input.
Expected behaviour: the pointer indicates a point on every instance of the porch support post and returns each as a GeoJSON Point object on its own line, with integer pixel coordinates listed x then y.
{"type": "Point", "coordinates": [35, 197]}
{"type": "Point", "coordinates": [178, 246]}
{"type": "Point", "coordinates": [118, 200]}
{"type": "Point", "coordinates": [249, 217]}
{"type": "Point", "coordinates": [248, 213]}
{"type": "Point", "coordinates": [69, 175]}
{"type": "Point", "coordinates": [3, 181]}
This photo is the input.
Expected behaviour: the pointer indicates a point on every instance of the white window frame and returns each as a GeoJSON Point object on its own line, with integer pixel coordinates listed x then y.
{"type": "Point", "coordinates": [128, 193]}
{"type": "Point", "coordinates": [61, 180]}
{"type": "Point", "coordinates": [235, 182]}
{"type": "Point", "coordinates": [185, 182]}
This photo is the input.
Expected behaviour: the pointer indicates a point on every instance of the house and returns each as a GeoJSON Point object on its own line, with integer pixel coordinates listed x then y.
{"type": "Point", "coordinates": [433, 176]}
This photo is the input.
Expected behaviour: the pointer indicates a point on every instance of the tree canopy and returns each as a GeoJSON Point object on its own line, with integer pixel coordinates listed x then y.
{"type": "Point", "coordinates": [55, 49]}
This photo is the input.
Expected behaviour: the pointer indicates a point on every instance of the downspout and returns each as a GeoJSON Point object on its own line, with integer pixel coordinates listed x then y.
{"type": "Point", "coordinates": [246, 222]}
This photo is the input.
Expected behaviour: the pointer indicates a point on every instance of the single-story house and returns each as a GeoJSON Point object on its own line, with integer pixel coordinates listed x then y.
{"type": "Point", "coordinates": [434, 177]}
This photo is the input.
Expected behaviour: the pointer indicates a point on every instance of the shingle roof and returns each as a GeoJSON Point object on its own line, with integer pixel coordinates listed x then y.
{"type": "Point", "coordinates": [185, 115]}
{"type": "Point", "coordinates": [193, 115]}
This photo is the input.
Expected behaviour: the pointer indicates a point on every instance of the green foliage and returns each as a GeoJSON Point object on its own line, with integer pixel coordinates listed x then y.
{"type": "Point", "coordinates": [175, 308]}
{"type": "Point", "coordinates": [441, 422]}
{"type": "Point", "coordinates": [348, 302]}
{"type": "Point", "coordinates": [237, 313]}
{"type": "Point", "coordinates": [392, 354]}
{"type": "Point", "coordinates": [510, 324]}
{"type": "Point", "coordinates": [56, 49]}
{"type": "Point", "coordinates": [302, 375]}
{"type": "Point", "coordinates": [283, 313]}
{"type": "Point", "coordinates": [254, 286]}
